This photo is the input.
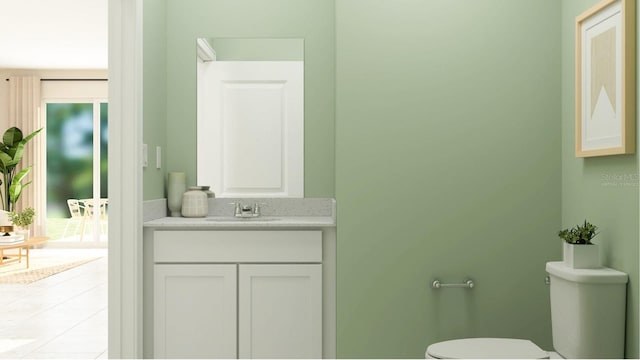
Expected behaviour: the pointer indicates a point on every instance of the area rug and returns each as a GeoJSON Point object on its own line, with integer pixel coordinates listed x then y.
{"type": "Point", "coordinates": [39, 268]}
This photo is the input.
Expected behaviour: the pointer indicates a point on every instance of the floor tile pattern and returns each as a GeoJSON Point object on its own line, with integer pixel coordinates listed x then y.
{"type": "Point", "coordinates": [61, 317]}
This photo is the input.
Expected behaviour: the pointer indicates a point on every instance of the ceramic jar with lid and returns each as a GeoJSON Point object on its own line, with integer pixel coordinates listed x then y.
{"type": "Point", "coordinates": [195, 203]}
{"type": "Point", "coordinates": [207, 190]}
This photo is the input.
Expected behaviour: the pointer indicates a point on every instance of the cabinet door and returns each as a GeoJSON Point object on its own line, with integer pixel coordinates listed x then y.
{"type": "Point", "coordinates": [250, 138]}
{"type": "Point", "coordinates": [280, 311]}
{"type": "Point", "coordinates": [195, 310]}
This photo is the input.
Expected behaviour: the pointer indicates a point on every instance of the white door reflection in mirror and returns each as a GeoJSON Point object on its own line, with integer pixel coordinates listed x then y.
{"type": "Point", "coordinates": [251, 128]}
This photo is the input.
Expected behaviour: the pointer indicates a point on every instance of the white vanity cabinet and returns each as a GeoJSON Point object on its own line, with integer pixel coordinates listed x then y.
{"type": "Point", "coordinates": [195, 311]}
{"type": "Point", "coordinates": [230, 294]}
{"type": "Point", "coordinates": [280, 311]}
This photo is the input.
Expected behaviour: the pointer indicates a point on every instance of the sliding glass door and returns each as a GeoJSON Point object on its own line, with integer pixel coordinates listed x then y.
{"type": "Point", "coordinates": [77, 171]}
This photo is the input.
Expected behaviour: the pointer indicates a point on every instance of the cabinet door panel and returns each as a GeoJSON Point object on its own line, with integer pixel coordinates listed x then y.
{"type": "Point", "coordinates": [280, 311]}
{"type": "Point", "coordinates": [250, 134]}
{"type": "Point", "coordinates": [195, 311]}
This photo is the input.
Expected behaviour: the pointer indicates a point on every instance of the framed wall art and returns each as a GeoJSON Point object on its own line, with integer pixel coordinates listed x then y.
{"type": "Point", "coordinates": [606, 79]}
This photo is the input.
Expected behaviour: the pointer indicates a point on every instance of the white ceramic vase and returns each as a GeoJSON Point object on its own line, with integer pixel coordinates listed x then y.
{"type": "Point", "coordinates": [195, 203]}
{"type": "Point", "coordinates": [581, 256]}
{"type": "Point", "coordinates": [176, 186]}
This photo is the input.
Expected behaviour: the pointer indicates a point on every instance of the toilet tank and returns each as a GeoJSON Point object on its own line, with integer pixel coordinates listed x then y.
{"type": "Point", "coordinates": [588, 309]}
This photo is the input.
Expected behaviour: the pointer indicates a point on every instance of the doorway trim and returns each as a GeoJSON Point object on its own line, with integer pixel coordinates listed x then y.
{"type": "Point", "coordinates": [125, 179]}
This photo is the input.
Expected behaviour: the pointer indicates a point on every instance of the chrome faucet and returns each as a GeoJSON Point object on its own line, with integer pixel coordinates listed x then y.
{"type": "Point", "coordinates": [246, 211]}
{"type": "Point", "coordinates": [238, 210]}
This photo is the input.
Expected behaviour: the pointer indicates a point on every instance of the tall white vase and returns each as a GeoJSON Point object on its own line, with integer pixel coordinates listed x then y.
{"type": "Point", "coordinates": [176, 186]}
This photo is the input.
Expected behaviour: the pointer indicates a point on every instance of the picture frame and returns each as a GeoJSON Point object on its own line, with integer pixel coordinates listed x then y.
{"type": "Point", "coordinates": [606, 79]}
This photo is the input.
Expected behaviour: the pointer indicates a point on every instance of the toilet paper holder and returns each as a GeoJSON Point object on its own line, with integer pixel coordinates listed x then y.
{"type": "Point", "coordinates": [468, 284]}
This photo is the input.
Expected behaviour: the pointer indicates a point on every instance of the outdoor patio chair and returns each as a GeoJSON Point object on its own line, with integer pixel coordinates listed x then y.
{"type": "Point", "coordinates": [77, 217]}
{"type": "Point", "coordinates": [89, 210]}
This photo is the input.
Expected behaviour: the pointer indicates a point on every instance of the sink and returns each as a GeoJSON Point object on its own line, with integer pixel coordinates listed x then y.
{"type": "Point", "coordinates": [241, 219]}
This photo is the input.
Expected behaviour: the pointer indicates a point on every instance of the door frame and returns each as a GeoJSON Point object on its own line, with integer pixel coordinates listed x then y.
{"type": "Point", "coordinates": [125, 179]}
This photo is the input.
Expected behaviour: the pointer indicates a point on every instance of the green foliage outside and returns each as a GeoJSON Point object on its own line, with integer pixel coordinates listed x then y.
{"type": "Point", "coordinates": [70, 155]}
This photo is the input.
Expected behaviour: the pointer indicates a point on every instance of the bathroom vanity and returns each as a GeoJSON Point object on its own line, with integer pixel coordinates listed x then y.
{"type": "Point", "coordinates": [227, 287]}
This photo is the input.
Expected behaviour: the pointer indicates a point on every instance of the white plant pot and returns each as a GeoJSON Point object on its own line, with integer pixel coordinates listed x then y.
{"type": "Point", "coordinates": [26, 233]}
{"type": "Point", "coordinates": [581, 256]}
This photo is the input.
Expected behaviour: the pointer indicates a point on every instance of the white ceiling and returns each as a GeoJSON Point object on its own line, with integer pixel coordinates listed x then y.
{"type": "Point", "coordinates": [53, 34]}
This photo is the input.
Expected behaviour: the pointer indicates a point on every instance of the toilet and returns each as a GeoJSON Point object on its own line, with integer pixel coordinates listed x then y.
{"type": "Point", "coordinates": [585, 304]}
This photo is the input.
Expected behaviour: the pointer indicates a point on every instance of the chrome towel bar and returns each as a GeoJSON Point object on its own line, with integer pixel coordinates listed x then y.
{"type": "Point", "coordinates": [436, 284]}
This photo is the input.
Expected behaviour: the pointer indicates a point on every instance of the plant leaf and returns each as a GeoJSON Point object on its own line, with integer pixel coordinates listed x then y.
{"type": "Point", "coordinates": [21, 174]}
{"type": "Point", "coordinates": [14, 191]}
{"type": "Point", "coordinates": [30, 136]}
{"type": "Point", "coordinates": [17, 153]}
{"type": "Point", "coordinates": [5, 161]}
{"type": "Point", "coordinates": [12, 136]}
{"type": "Point", "coordinates": [16, 185]}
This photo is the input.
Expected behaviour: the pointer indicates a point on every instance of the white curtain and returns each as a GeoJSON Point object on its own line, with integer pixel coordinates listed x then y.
{"type": "Point", "coordinates": [24, 113]}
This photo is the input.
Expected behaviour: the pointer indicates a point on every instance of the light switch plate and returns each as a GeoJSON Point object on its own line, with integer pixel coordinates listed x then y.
{"type": "Point", "coordinates": [158, 157]}
{"type": "Point", "coordinates": [145, 156]}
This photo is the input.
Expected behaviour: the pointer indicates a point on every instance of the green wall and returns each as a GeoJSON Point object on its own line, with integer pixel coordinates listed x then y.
{"type": "Point", "coordinates": [312, 20]}
{"type": "Point", "coordinates": [601, 189]}
{"type": "Point", "coordinates": [445, 131]}
{"type": "Point", "coordinates": [154, 95]}
{"type": "Point", "coordinates": [243, 49]}
{"type": "Point", "coordinates": [447, 166]}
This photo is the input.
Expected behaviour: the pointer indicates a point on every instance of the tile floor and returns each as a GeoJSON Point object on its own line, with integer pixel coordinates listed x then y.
{"type": "Point", "coordinates": [63, 316]}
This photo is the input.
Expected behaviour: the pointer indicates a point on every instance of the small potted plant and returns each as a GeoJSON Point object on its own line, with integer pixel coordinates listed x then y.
{"type": "Point", "coordinates": [578, 250]}
{"type": "Point", "coordinates": [22, 220]}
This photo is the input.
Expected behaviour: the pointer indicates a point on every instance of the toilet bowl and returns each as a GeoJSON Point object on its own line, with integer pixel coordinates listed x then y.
{"type": "Point", "coordinates": [585, 303]}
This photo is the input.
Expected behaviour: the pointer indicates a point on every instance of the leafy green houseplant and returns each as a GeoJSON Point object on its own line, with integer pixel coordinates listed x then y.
{"type": "Point", "coordinates": [575, 254]}
{"type": "Point", "coordinates": [23, 218]}
{"type": "Point", "coordinates": [11, 152]}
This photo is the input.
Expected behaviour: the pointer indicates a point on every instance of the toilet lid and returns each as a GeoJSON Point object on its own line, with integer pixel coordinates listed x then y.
{"type": "Point", "coordinates": [486, 348]}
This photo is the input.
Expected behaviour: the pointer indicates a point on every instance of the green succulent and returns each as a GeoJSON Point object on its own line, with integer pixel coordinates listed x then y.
{"type": "Point", "coordinates": [579, 234]}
